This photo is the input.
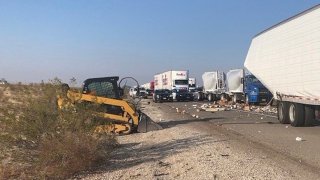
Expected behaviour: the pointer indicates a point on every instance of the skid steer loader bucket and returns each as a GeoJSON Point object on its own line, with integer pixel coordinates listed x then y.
{"type": "Point", "coordinates": [146, 124]}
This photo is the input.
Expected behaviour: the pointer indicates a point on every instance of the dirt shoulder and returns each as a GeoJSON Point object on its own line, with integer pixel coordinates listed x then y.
{"type": "Point", "coordinates": [190, 148]}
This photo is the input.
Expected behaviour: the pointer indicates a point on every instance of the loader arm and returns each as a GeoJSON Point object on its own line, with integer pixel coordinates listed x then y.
{"type": "Point", "coordinates": [128, 111]}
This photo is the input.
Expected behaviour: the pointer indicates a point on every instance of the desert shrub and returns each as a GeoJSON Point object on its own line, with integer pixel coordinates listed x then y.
{"type": "Point", "coordinates": [66, 154]}
{"type": "Point", "coordinates": [38, 140]}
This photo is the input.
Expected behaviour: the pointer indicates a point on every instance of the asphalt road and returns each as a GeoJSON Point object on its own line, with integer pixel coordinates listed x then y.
{"type": "Point", "coordinates": [263, 131]}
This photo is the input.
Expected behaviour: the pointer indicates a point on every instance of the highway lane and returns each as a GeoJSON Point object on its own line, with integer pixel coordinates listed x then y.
{"type": "Point", "coordinates": [263, 129]}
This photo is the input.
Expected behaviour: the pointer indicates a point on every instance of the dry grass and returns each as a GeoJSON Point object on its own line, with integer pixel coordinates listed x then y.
{"type": "Point", "coordinates": [38, 141]}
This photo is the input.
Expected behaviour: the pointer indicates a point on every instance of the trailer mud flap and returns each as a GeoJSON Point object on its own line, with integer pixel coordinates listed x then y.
{"type": "Point", "coordinates": [146, 124]}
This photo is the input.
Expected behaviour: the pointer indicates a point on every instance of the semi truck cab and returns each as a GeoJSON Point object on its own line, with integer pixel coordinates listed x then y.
{"type": "Point", "coordinates": [179, 86]}
{"type": "Point", "coordinates": [255, 91]}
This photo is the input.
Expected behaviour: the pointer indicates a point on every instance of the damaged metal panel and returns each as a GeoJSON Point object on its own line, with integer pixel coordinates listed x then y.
{"type": "Point", "coordinates": [235, 80]}
{"type": "Point", "coordinates": [214, 82]}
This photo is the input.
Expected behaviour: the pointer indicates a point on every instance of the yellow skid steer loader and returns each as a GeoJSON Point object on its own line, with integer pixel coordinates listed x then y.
{"type": "Point", "coordinates": [124, 118]}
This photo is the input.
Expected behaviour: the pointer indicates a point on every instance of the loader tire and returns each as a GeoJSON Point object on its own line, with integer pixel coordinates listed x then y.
{"type": "Point", "coordinates": [296, 114]}
{"type": "Point", "coordinates": [309, 115]}
{"type": "Point", "coordinates": [283, 112]}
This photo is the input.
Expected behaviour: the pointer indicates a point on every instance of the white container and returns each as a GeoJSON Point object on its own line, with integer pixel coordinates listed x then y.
{"type": "Point", "coordinates": [286, 59]}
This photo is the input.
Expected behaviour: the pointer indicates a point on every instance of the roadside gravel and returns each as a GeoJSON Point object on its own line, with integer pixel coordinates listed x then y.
{"type": "Point", "coordinates": [189, 149]}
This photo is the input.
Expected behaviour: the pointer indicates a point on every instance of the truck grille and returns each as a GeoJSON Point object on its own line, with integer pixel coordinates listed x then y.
{"type": "Point", "coordinates": [263, 91]}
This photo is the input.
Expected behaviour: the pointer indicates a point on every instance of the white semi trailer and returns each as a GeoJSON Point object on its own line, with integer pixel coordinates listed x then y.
{"type": "Point", "coordinates": [214, 86]}
{"type": "Point", "coordinates": [234, 83]}
{"type": "Point", "coordinates": [286, 59]}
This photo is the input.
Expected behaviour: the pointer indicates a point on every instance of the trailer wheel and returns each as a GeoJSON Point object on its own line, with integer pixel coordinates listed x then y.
{"type": "Point", "coordinates": [296, 114]}
{"type": "Point", "coordinates": [200, 97]}
{"type": "Point", "coordinates": [283, 112]}
{"type": "Point", "coordinates": [246, 101]}
{"type": "Point", "coordinates": [309, 115]}
{"type": "Point", "coordinates": [214, 97]}
{"type": "Point", "coordinates": [197, 97]}
{"type": "Point", "coordinates": [223, 97]}
{"type": "Point", "coordinates": [234, 99]}
{"type": "Point", "coordinates": [210, 97]}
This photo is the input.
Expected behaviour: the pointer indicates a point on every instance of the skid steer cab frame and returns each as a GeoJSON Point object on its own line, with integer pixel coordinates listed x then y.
{"type": "Point", "coordinates": [123, 117]}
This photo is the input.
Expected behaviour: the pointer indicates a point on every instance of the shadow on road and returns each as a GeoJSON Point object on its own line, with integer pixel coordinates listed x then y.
{"type": "Point", "coordinates": [265, 122]}
{"type": "Point", "coordinates": [133, 154]}
{"type": "Point", "coordinates": [172, 123]}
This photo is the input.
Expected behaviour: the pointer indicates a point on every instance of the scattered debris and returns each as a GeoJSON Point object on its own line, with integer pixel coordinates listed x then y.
{"type": "Point", "coordinates": [160, 174]}
{"type": "Point", "coordinates": [215, 109]}
{"type": "Point", "coordinates": [204, 106]}
{"type": "Point", "coordinates": [299, 139]}
{"type": "Point", "coordinates": [246, 108]}
{"type": "Point", "coordinates": [135, 175]}
{"type": "Point", "coordinates": [163, 164]}
{"type": "Point", "coordinates": [225, 106]}
{"type": "Point", "coordinates": [224, 155]}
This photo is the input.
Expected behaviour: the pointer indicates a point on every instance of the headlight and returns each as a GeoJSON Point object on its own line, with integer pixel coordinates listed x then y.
{"type": "Point", "coordinates": [170, 95]}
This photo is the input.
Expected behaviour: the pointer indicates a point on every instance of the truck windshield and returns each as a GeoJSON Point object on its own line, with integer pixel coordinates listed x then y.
{"type": "Point", "coordinates": [102, 89]}
{"type": "Point", "coordinates": [181, 82]}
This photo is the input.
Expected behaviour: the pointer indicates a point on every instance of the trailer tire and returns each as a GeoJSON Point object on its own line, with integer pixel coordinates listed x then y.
{"type": "Point", "coordinates": [234, 98]}
{"type": "Point", "coordinates": [196, 97]}
{"type": "Point", "coordinates": [309, 115]}
{"type": "Point", "coordinates": [296, 114]}
{"type": "Point", "coordinates": [246, 99]}
{"type": "Point", "coordinates": [283, 112]}
{"type": "Point", "coordinates": [200, 97]}
{"type": "Point", "coordinates": [223, 97]}
{"type": "Point", "coordinates": [214, 97]}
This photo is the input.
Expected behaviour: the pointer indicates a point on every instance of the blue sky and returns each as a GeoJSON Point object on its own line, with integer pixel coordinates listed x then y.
{"type": "Point", "coordinates": [40, 40]}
